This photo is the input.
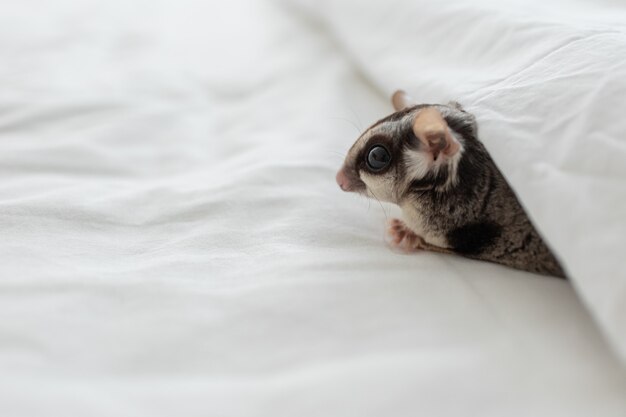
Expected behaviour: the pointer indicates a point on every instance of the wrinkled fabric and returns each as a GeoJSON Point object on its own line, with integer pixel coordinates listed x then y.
{"type": "Point", "coordinates": [546, 82]}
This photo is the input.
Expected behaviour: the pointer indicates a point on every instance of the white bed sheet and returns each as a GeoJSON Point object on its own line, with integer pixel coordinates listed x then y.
{"type": "Point", "coordinates": [546, 81]}
{"type": "Point", "coordinates": [174, 242]}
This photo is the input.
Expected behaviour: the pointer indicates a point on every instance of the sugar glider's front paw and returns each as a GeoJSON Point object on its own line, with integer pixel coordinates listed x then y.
{"type": "Point", "coordinates": [403, 238]}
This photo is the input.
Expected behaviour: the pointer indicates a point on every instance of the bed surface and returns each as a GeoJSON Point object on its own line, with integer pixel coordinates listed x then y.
{"type": "Point", "coordinates": [174, 242]}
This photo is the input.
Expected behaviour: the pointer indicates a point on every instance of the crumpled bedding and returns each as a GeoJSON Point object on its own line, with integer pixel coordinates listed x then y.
{"type": "Point", "coordinates": [546, 82]}
{"type": "Point", "coordinates": [174, 242]}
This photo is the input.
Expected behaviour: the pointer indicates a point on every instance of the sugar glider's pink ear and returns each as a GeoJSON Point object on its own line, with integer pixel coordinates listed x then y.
{"type": "Point", "coordinates": [432, 130]}
{"type": "Point", "coordinates": [401, 100]}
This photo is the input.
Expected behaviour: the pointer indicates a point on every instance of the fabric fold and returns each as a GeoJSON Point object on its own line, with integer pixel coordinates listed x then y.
{"type": "Point", "coordinates": [547, 84]}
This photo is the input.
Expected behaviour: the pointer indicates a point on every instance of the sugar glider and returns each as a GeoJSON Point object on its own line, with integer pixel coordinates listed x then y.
{"type": "Point", "coordinates": [427, 159]}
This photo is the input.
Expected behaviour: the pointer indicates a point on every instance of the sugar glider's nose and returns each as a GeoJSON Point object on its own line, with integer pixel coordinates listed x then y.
{"type": "Point", "coordinates": [350, 181]}
{"type": "Point", "coordinates": [342, 180]}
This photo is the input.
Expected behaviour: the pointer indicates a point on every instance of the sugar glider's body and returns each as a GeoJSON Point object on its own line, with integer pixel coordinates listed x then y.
{"type": "Point", "coordinates": [428, 160]}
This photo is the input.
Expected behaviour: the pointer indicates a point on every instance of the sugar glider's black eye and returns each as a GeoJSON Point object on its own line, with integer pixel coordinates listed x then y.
{"type": "Point", "coordinates": [378, 158]}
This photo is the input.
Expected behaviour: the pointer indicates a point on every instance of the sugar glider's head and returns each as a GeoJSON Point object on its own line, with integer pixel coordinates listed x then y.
{"type": "Point", "coordinates": [414, 148]}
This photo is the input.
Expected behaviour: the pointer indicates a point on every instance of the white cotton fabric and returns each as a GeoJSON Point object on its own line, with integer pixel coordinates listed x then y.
{"type": "Point", "coordinates": [546, 82]}
{"type": "Point", "coordinates": [174, 243]}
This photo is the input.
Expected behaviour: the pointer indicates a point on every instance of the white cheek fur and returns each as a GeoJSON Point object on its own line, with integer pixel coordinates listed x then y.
{"type": "Point", "coordinates": [417, 163]}
{"type": "Point", "coordinates": [379, 186]}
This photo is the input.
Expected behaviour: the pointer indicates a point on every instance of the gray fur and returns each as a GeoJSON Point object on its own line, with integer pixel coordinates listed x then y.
{"type": "Point", "coordinates": [468, 207]}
